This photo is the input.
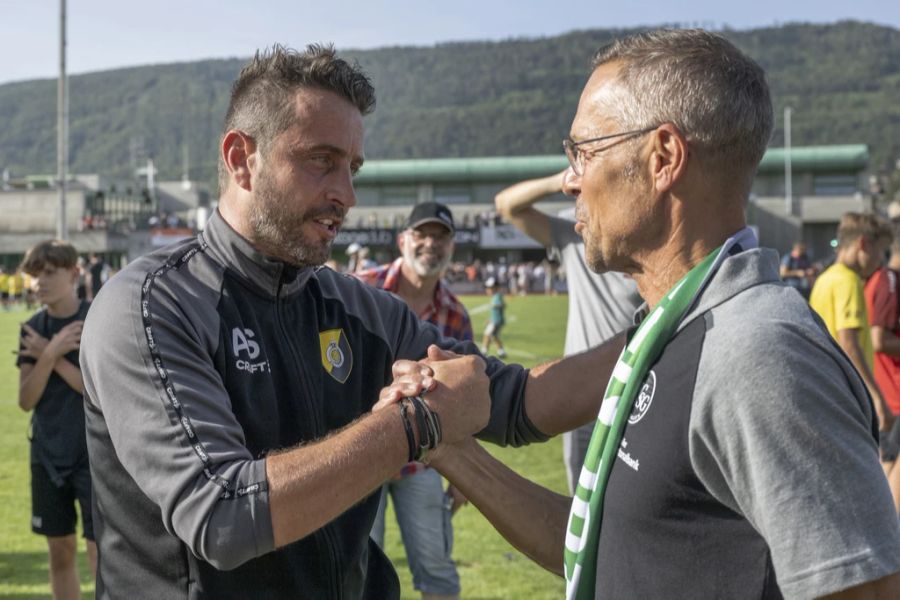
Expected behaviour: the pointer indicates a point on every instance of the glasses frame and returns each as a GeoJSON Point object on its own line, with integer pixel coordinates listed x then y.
{"type": "Point", "coordinates": [419, 237]}
{"type": "Point", "coordinates": [573, 151]}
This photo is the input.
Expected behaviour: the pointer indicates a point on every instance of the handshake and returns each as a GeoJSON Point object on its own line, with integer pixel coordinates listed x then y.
{"type": "Point", "coordinates": [443, 399]}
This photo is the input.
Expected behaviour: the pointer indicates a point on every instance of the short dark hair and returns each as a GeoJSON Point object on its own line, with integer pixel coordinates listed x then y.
{"type": "Point", "coordinates": [55, 253]}
{"type": "Point", "coordinates": [715, 94]}
{"type": "Point", "coordinates": [261, 95]}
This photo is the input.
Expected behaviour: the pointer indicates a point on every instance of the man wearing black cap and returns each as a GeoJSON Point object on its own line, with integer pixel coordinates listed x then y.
{"type": "Point", "coordinates": [423, 509]}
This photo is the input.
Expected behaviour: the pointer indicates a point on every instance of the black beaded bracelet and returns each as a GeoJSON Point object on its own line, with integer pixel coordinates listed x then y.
{"type": "Point", "coordinates": [407, 426]}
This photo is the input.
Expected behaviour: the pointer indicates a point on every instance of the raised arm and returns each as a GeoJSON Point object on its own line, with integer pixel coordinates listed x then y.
{"type": "Point", "coordinates": [516, 205]}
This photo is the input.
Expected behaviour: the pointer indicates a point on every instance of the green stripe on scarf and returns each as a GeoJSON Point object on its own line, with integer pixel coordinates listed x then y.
{"type": "Point", "coordinates": [644, 348]}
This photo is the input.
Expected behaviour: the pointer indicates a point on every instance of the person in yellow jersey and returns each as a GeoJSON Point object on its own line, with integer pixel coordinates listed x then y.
{"type": "Point", "coordinates": [838, 298]}
{"type": "Point", "coordinates": [4, 288]}
{"type": "Point", "coordinates": [15, 287]}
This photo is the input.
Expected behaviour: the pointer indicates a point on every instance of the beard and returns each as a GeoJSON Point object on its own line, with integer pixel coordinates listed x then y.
{"type": "Point", "coordinates": [425, 267]}
{"type": "Point", "coordinates": [278, 231]}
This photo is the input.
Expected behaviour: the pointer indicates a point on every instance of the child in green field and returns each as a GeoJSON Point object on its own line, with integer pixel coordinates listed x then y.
{"type": "Point", "coordinates": [50, 384]}
{"type": "Point", "coordinates": [492, 331]}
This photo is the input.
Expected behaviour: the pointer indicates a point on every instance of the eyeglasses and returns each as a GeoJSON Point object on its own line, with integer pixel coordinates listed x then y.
{"type": "Point", "coordinates": [439, 237]}
{"type": "Point", "coordinates": [577, 156]}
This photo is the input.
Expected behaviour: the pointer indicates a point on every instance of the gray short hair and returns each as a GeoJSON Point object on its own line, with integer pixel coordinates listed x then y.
{"type": "Point", "coordinates": [699, 81]}
{"type": "Point", "coordinates": [261, 96]}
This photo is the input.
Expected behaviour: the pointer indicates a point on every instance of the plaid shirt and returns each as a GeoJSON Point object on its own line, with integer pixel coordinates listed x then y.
{"type": "Point", "coordinates": [445, 311]}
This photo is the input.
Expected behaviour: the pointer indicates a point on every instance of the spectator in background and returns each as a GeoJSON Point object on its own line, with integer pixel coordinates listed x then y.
{"type": "Point", "coordinates": [797, 270]}
{"type": "Point", "coordinates": [81, 286]}
{"type": "Point", "coordinates": [50, 384]}
{"type": "Point", "coordinates": [498, 318]}
{"type": "Point", "coordinates": [422, 508]}
{"type": "Point", "coordinates": [882, 293]}
{"type": "Point", "coordinates": [600, 304]}
{"type": "Point", "coordinates": [97, 274]}
{"type": "Point", "coordinates": [363, 262]}
{"type": "Point", "coordinates": [4, 288]}
{"type": "Point", "coordinates": [838, 295]}
{"type": "Point", "coordinates": [353, 257]}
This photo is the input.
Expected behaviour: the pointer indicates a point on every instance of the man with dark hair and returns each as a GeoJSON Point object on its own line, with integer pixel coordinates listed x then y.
{"type": "Point", "coordinates": [50, 385]}
{"type": "Point", "coordinates": [797, 269]}
{"type": "Point", "coordinates": [422, 509]}
{"type": "Point", "coordinates": [735, 451]}
{"type": "Point", "coordinates": [229, 380]}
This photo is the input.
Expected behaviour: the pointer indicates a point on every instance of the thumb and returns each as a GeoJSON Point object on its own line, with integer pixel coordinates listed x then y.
{"type": "Point", "coordinates": [436, 353]}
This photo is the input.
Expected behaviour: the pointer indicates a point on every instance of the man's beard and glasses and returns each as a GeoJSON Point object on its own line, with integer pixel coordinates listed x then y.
{"type": "Point", "coordinates": [428, 249]}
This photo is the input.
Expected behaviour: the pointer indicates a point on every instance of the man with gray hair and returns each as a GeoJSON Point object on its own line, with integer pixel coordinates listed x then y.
{"type": "Point", "coordinates": [735, 453]}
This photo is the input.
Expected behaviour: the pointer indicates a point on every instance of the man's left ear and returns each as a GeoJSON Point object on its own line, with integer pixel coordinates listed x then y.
{"type": "Point", "coordinates": [669, 155]}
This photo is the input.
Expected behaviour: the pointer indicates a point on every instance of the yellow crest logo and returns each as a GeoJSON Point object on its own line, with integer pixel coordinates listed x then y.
{"type": "Point", "coordinates": [337, 357]}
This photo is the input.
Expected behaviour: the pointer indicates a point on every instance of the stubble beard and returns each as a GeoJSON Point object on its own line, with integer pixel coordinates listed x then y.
{"type": "Point", "coordinates": [278, 232]}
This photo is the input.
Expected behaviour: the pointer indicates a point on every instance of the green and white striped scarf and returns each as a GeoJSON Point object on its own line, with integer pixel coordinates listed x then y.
{"type": "Point", "coordinates": [645, 346]}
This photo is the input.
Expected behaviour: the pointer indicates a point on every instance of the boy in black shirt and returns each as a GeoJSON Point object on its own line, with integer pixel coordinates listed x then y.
{"type": "Point", "coordinates": [50, 384]}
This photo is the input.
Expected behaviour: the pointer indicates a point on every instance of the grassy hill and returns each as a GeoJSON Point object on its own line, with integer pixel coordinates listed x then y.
{"type": "Point", "coordinates": [456, 99]}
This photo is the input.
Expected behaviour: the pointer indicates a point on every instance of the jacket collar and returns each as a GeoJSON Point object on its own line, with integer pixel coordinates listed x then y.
{"type": "Point", "coordinates": [737, 273]}
{"type": "Point", "coordinates": [269, 275]}
{"type": "Point", "coordinates": [743, 266]}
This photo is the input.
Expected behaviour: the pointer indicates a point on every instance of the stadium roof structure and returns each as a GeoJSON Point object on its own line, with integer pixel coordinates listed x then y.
{"type": "Point", "coordinates": [491, 169]}
{"type": "Point", "coordinates": [818, 159]}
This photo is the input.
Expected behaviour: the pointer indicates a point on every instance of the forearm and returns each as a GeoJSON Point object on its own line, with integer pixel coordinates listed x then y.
{"type": "Point", "coordinates": [33, 382]}
{"type": "Point", "coordinates": [880, 589]}
{"type": "Point", "coordinates": [522, 195]}
{"type": "Point", "coordinates": [849, 342]}
{"type": "Point", "coordinates": [885, 341]}
{"type": "Point", "coordinates": [311, 485]}
{"type": "Point", "coordinates": [530, 517]}
{"type": "Point", "coordinates": [70, 374]}
{"type": "Point", "coordinates": [565, 394]}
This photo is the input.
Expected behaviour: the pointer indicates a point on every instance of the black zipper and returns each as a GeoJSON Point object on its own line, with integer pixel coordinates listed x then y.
{"type": "Point", "coordinates": [322, 535]}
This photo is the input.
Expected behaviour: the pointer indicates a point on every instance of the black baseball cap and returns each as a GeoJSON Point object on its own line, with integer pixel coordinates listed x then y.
{"type": "Point", "coordinates": [430, 212]}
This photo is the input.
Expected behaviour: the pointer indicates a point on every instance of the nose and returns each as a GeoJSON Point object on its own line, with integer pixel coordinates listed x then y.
{"type": "Point", "coordinates": [571, 183]}
{"type": "Point", "coordinates": [342, 191]}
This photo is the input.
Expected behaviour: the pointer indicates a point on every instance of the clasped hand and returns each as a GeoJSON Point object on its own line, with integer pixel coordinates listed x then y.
{"type": "Point", "coordinates": [66, 340]}
{"type": "Point", "coordinates": [456, 387]}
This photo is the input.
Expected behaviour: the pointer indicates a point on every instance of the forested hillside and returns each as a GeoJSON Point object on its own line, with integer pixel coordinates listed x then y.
{"type": "Point", "coordinates": [455, 99]}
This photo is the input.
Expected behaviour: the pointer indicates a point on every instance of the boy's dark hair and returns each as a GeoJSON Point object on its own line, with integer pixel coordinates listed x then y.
{"type": "Point", "coordinates": [55, 253]}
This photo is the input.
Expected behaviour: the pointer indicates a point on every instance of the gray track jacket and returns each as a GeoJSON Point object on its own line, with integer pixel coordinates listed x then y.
{"type": "Point", "coordinates": [201, 358]}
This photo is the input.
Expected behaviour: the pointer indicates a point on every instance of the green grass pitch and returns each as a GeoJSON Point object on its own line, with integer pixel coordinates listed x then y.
{"type": "Point", "coordinates": [489, 568]}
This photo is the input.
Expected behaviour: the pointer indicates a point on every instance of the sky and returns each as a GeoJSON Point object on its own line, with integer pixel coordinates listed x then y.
{"type": "Point", "coordinates": [107, 34]}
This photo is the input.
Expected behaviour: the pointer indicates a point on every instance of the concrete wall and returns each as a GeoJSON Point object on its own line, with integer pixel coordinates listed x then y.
{"type": "Point", "coordinates": [35, 210]}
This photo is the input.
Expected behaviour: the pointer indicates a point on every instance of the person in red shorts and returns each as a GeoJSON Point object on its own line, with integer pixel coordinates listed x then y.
{"type": "Point", "coordinates": [882, 293]}
{"type": "Point", "coordinates": [883, 304]}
